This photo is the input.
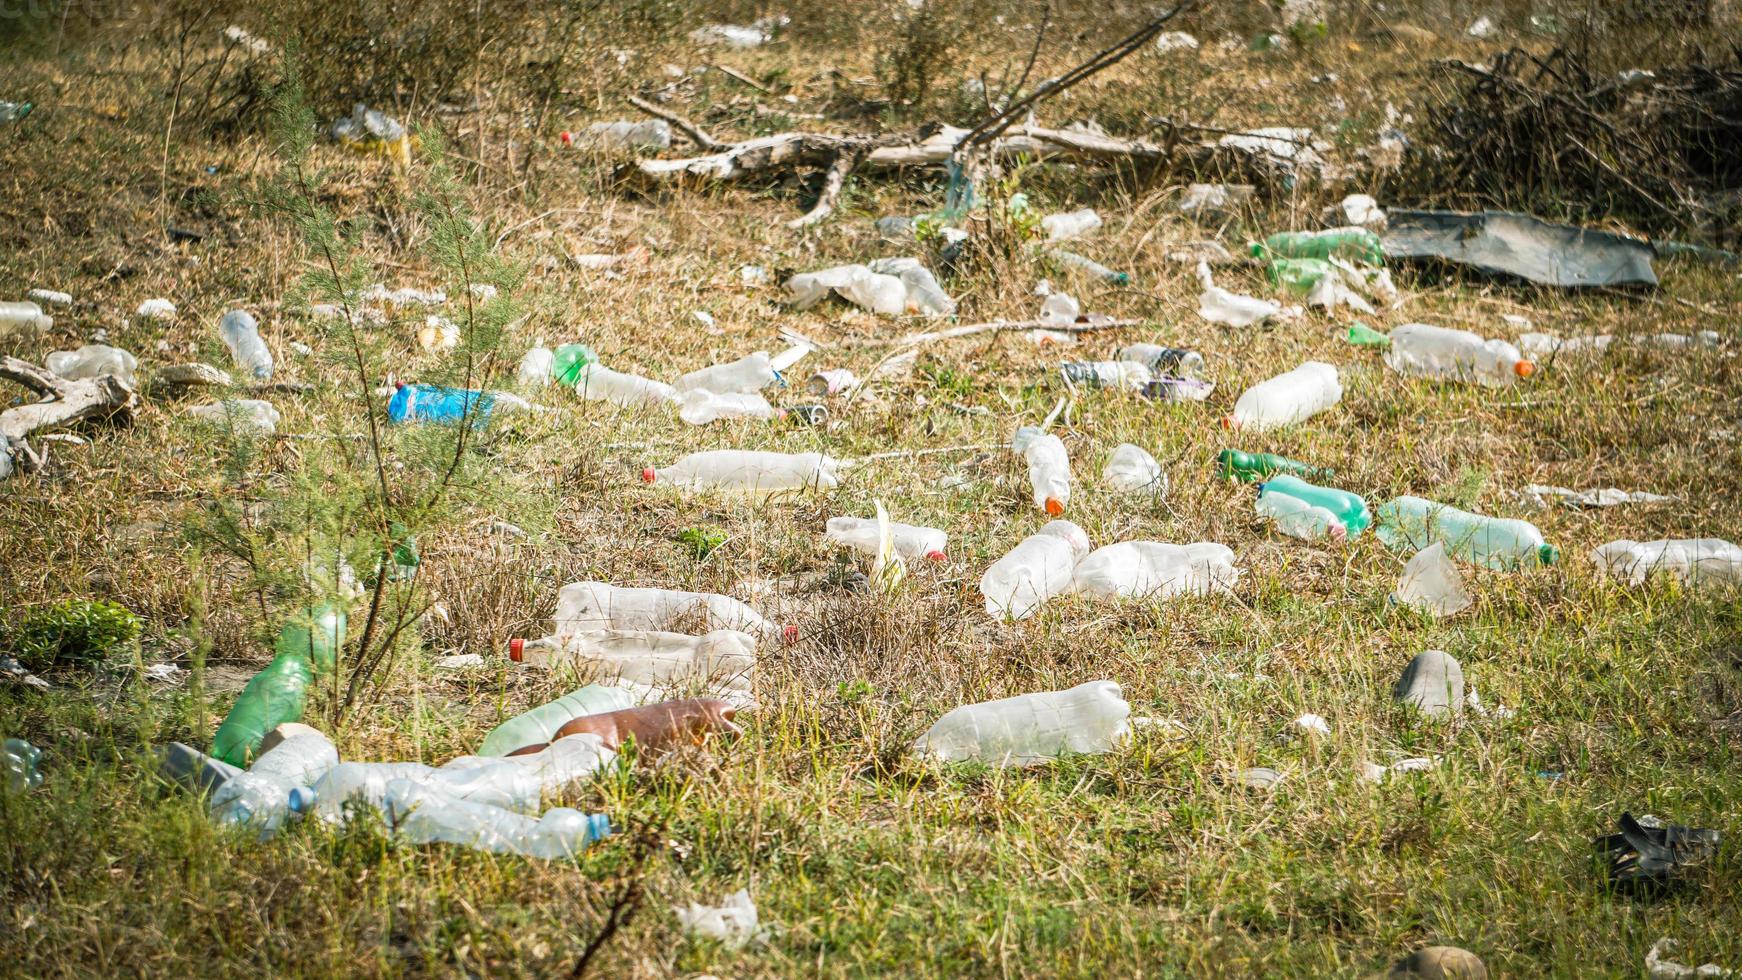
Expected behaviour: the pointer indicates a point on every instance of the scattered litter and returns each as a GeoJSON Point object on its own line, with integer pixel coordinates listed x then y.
{"type": "Point", "coordinates": [1439, 963]}
{"type": "Point", "coordinates": [1132, 469]}
{"type": "Point", "coordinates": [1155, 570]}
{"type": "Point", "coordinates": [438, 333]}
{"type": "Point", "coordinates": [1071, 224]}
{"type": "Point", "coordinates": [1038, 568]}
{"type": "Point", "coordinates": [372, 132]}
{"type": "Point", "coordinates": [460, 661]}
{"type": "Point", "coordinates": [1541, 345]}
{"type": "Point", "coordinates": [1287, 399]}
{"type": "Point", "coordinates": [1217, 305]}
{"type": "Point", "coordinates": [1214, 198]}
{"type": "Point", "coordinates": [733, 922]}
{"type": "Point", "coordinates": [605, 262]}
{"type": "Point", "coordinates": [1031, 729]}
{"type": "Point", "coordinates": [1649, 855]}
{"type": "Point", "coordinates": [1431, 583]}
{"type": "Point", "coordinates": [754, 275]}
{"type": "Point", "coordinates": [1482, 29]}
{"type": "Point", "coordinates": [156, 309]}
{"type": "Point", "coordinates": [739, 37]}
{"type": "Point", "coordinates": [1504, 243]}
{"type": "Point", "coordinates": [832, 382]}
{"type": "Point", "coordinates": [244, 416]}
{"type": "Point", "coordinates": [1060, 309]}
{"type": "Point", "coordinates": [404, 297]}
{"type": "Point", "coordinates": [51, 297]}
{"type": "Point", "coordinates": [1175, 41]}
{"type": "Point", "coordinates": [1259, 777]}
{"type": "Point", "coordinates": [1375, 773]}
{"type": "Point", "coordinates": [1432, 683]}
{"type": "Point", "coordinates": [1312, 724]}
{"type": "Point", "coordinates": [1678, 341]}
{"type": "Point", "coordinates": [192, 375]}
{"type": "Point", "coordinates": [1659, 968]}
{"type": "Point", "coordinates": [1199, 252]}
{"type": "Point", "coordinates": [1362, 211]}
{"type": "Point", "coordinates": [1695, 561]}
{"type": "Point", "coordinates": [93, 361]}
{"type": "Point", "coordinates": [1413, 523]}
{"type": "Point", "coordinates": [162, 673]}
{"type": "Point", "coordinates": [1291, 151]}
{"type": "Point", "coordinates": [18, 762]}
{"type": "Point", "coordinates": [632, 136]}
{"type": "Point", "coordinates": [246, 41]}
{"type": "Point", "coordinates": [1539, 495]}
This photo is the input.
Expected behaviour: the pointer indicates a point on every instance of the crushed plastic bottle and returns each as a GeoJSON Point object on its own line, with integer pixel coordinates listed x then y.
{"type": "Point", "coordinates": [1424, 351]}
{"type": "Point", "coordinates": [1070, 224]}
{"type": "Point", "coordinates": [1153, 569]}
{"type": "Point", "coordinates": [307, 647]}
{"type": "Point", "coordinates": [748, 374]}
{"type": "Point", "coordinates": [1287, 398]}
{"type": "Point", "coordinates": [15, 111]}
{"type": "Point", "coordinates": [244, 416]}
{"type": "Point", "coordinates": [1049, 468]}
{"type": "Point", "coordinates": [1297, 518]}
{"type": "Point", "coordinates": [1030, 729]}
{"type": "Point", "coordinates": [371, 132]}
{"type": "Point", "coordinates": [23, 320]}
{"type": "Point", "coordinates": [1356, 244]}
{"type": "Point", "coordinates": [93, 361]}
{"type": "Point", "coordinates": [1232, 464]}
{"type": "Point", "coordinates": [1174, 361]}
{"type": "Point", "coordinates": [1350, 509]}
{"type": "Point", "coordinates": [884, 295]}
{"type": "Point", "coordinates": [1414, 523]}
{"type": "Point", "coordinates": [422, 815]}
{"type": "Point", "coordinates": [723, 662]}
{"type": "Point", "coordinates": [241, 333]}
{"type": "Point", "coordinates": [440, 405]}
{"type": "Point", "coordinates": [1361, 335]}
{"type": "Point", "coordinates": [588, 607]}
{"type": "Point", "coordinates": [733, 922]}
{"type": "Point", "coordinates": [1133, 470]}
{"type": "Point", "coordinates": [1034, 571]}
{"type": "Point", "coordinates": [911, 542]}
{"type": "Point", "coordinates": [541, 723]}
{"type": "Point", "coordinates": [536, 367]}
{"type": "Point", "coordinates": [652, 134]}
{"type": "Point", "coordinates": [1297, 277]}
{"type": "Point", "coordinates": [567, 360]}
{"type": "Point", "coordinates": [260, 798]}
{"type": "Point", "coordinates": [1431, 583]}
{"type": "Point", "coordinates": [18, 763]}
{"type": "Point", "coordinates": [921, 292]}
{"type": "Point", "coordinates": [701, 407]}
{"type": "Point", "coordinates": [1218, 305]}
{"type": "Point", "coordinates": [1128, 375]}
{"type": "Point", "coordinates": [596, 382]}
{"type": "Point", "coordinates": [747, 470]}
{"type": "Point", "coordinates": [1695, 561]}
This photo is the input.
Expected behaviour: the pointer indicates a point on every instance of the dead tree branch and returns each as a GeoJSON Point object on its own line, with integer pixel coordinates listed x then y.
{"type": "Point", "coordinates": [697, 134]}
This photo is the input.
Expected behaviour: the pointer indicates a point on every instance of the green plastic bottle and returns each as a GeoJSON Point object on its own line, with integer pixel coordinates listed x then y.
{"type": "Point", "coordinates": [1246, 467]}
{"type": "Point", "coordinates": [1298, 276]}
{"type": "Point", "coordinates": [1361, 335]}
{"type": "Point", "coordinates": [307, 648]}
{"type": "Point", "coordinates": [567, 361]}
{"type": "Point", "coordinates": [1349, 507]}
{"type": "Point", "coordinates": [1347, 243]}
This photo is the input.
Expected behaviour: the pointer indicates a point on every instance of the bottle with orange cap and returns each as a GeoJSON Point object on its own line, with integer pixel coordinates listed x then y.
{"type": "Point", "coordinates": [1425, 351]}
{"type": "Point", "coordinates": [1049, 468]}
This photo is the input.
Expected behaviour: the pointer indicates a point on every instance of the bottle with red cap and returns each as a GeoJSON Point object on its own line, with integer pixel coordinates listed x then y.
{"type": "Point", "coordinates": [1425, 351]}
{"type": "Point", "coordinates": [911, 541]}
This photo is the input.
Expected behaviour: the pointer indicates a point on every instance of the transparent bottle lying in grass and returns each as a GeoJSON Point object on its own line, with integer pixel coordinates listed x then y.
{"type": "Point", "coordinates": [1287, 398]}
{"type": "Point", "coordinates": [747, 471]}
{"type": "Point", "coordinates": [422, 815]}
{"type": "Point", "coordinates": [1425, 351]}
{"type": "Point", "coordinates": [1049, 468]}
{"type": "Point", "coordinates": [241, 333]}
{"type": "Point", "coordinates": [585, 607]}
{"type": "Point", "coordinates": [1297, 518]}
{"type": "Point", "coordinates": [1090, 718]}
{"type": "Point", "coordinates": [24, 319]}
{"type": "Point", "coordinates": [1355, 244]}
{"type": "Point", "coordinates": [911, 541]}
{"type": "Point", "coordinates": [751, 373]}
{"type": "Point", "coordinates": [1155, 569]}
{"type": "Point", "coordinates": [1413, 523]}
{"type": "Point", "coordinates": [1165, 360]}
{"type": "Point", "coordinates": [93, 361]}
{"type": "Point", "coordinates": [1349, 508]}
{"type": "Point", "coordinates": [596, 382]}
{"type": "Point", "coordinates": [722, 662]}
{"type": "Point", "coordinates": [260, 797]}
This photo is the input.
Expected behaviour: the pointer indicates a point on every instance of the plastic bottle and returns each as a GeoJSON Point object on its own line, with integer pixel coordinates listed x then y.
{"type": "Point", "coordinates": [832, 382]}
{"type": "Point", "coordinates": [1355, 244]}
{"type": "Point", "coordinates": [1425, 351]}
{"type": "Point", "coordinates": [1070, 224]}
{"type": "Point", "coordinates": [241, 333]}
{"type": "Point", "coordinates": [1414, 523]}
{"type": "Point", "coordinates": [93, 361]}
{"type": "Point", "coordinates": [307, 647]}
{"type": "Point", "coordinates": [423, 815]}
{"type": "Point", "coordinates": [1105, 374]}
{"type": "Point", "coordinates": [192, 768]}
{"type": "Point", "coordinates": [244, 415]}
{"type": "Point", "coordinates": [1034, 571]}
{"type": "Point", "coordinates": [586, 607]}
{"type": "Point", "coordinates": [701, 407]}
{"type": "Point", "coordinates": [911, 541]}
{"type": "Point", "coordinates": [750, 373]}
{"type": "Point", "coordinates": [260, 797]}
{"type": "Point", "coordinates": [1297, 276]}
{"type": "Point", "coordinates": [885, 295]}
{"type": "Point", "coordinates": [540, 724]}
{"type": "Point", "coordinates": [651, 134]}
{"type": "Point", "coordinates": [1246, 467]}
{"type": "Point", "coordinates": [15, 111]}
{"type": "Point", "coordinates": [1287, 398]}
{"type": "Point", "coordinates": [1175, 390]}
{"type": "Point", "coordinates": [1361, 335]}
{"type": "Point", "coordinates": [1698, 561]}
{"type": "Point", "coordinates": [23, 319]}
{"type": "Point", "coordinates": [921, 292]}
{"type": "Point", "coordinates": [1218, 305]}
{"type": "Point", "coordinates": [568, 360]}
{"type": "Point", "coordinates": [1074, 261]}
{"type": "Point", "coordinates": [440, 405]}
{"type": "Point", "coordinates": [18, 763]}
{"type": "Point", "coordinates": [596, 382]}
{"type": "Point", "coordinates": [536, 367]}
{"type": "Point", "coordinates": [653, 660]}
{"type": "Point", "coordinates": [1350, 509]}
{"type": "Point", "coordinates": [1165, 360]}
{"type": "Point", "coordinates": [747, 470]}
{"type": "Point", "coordinates": [1049, 468]}
{"type": "Point", "coordinates": [1153, 569]}
{"type": "Point", "coordinates": [656, 727]}
{"type": "Point", "coordinates": [1131, 469]}
{"type": "Point", "coordinates": [1294, 516]}
{"type": "Point", "coordinates": [1090, 718]}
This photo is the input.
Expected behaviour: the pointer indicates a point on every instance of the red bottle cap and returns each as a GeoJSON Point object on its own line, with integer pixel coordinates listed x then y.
{"type": "Point", "coordinates": [1524, 369]}
{"type": "Point", "coordinates": [1054, 507]}
{"type": "Point", "coordinates": [516, 649]}
{"type": "Point", "coordinates": [568, 138]}
{"type": "Point", "coordinates": [648, 476]}
{"type": "Point", "coordinates": [790, 633]}
{"type": "Point", "coordinates": [937, 556]}
{"type": "Point", "coordinates": [1230, 422]}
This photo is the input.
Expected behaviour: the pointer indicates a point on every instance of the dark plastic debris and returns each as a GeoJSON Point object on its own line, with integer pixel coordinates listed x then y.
{"type": "Point", "coordinates": [1508, 244]}
{"type": "Point", "coordinates": [1654, 858]}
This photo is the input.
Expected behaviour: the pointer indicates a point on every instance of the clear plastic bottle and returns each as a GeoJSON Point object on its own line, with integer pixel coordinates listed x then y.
{"type": "Point", "coordinates": [1153, 569]}
{"type": "Point", "coordinates": [440, 405]}
{"type": "Point", "coordinates": [1175, 390]}
{"type": "Point", "coordinates": [587, 607]}
{"type": "Point", "coordinates": [650, 134]}
{"type": "Point", "coordinates": [885, 295]}
{"type": "Point", "coordinates": [1424, 351]}
{"type": "Point", "coordinates": [18, 764]}
{"type": "Point", "coordinates": [1287, 398]}
{"type": "Point", "coordinates": [260, 797]}
{"type": "Point", "coordinates": [747, 470]}
{"type": "Point", "coordinates": [747, 374]}
{"type": "Point", "coordinates": [23, 319]}
{"type": "Point", "coordinates": [1218, 305]}
{"type": "Point", "coordinates": [921, 292]}
{"type": "Point", "coordinates": [1106, 374]}
{"type": "Point", "coordinates": [1132, 469]}
{"type": "Point", "coordinates": [1297, 518]}
{"type": "Point", "coordinates": [1072, 260]}
{"type": "Point", "coordinates": [241, 333]}
{"type": "Point", "coordinates": [596, 382]}
{"type": "Point", "coordinates": [1350, 509]}
{"type": "Point", "coordinates": [1165, 360]}
{"type": "Point", "coordinates": [244, 415]}
{"type": "Point", "coordinates": [1090, 718]}
{"type": "Point", "coordinates": [701, 407]}
{"type": "Point", "coordinates": [536, 367]}
{"type": "Point", "coordinates": [423, 815]}
{"type": "Point", "coordinates": [540, 724]}
{"type": "Point", "coordinates": [93, 361]}
{"type": "Point", "coordinates": [1415, 523]}
{"type": "Point", "coordinates": [1034, 571]}
{"type": "Point", "coordinates": [1697, 561]}
{"type": "Point", "coordinates": [1355, 244]}
{"type": "Point", "coordinates": [1049, 468]}
{"type": "Point", "coordinates": [192, 768]}
{"type": "Point", "coordinates": [722, 661]}
{"type": "Point", "coordinates": [911, 541]}
{"type": "Point", "coordinates": [1070, 224]}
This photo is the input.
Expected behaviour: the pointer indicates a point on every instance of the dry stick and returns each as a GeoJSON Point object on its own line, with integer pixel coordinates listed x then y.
{"type": "Point", "coordinates": [848, 464]}
{"type": "Point", "coordinates": [696, 134]}
{"type": "Point", "coordinates": [741, 77]}
{"type": "Point", "coordinates": [998, 326]}
{"type": "Point", "coordinates": [845, 162]}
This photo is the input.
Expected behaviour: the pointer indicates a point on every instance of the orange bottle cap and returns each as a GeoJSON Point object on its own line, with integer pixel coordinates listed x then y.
{"type": "Point", "coordinates": [1524, 369]}
{"type": "Point", "coordinates": [516, 649]}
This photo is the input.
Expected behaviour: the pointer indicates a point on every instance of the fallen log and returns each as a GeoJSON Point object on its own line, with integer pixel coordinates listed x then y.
{"type": "Point", "coordinates": [65, 402]}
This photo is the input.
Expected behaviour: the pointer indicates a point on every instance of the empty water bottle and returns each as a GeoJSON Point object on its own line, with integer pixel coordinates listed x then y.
{"type": "Point", "coordinates": [1297, 518]}
{"type": "Point", "coordinates": [23, 319]}
{"type": "Point", "coordinates": [1297, 276]}
{"type": "Point", "coordinates": [596, 382]}
{"type": "Point", "coordinates": [1246, 467]}
{"type": "Point", "coordinates": [585, 607]}
{"type": "Point", "coordinates": [747, 470]}
{"type": "Point", "coordinates": [241, 333]}
{"type": "Point", "coordinates": [1174, 361]}
{"type": "Point", "coordinates": [1170, 390]}
{"type": "Point", "coordinates": [1414, 523]}
{"type": "Point", "coordinates": [1132, 469]}
{"type": "Point", "coordinates": [93, 361]}
{"type": "Point", "coordinates": [260, 797]}
{"type": "Point", "coordinates": [1218, 305]}
{"type": "Point", "coordinates": [1034, 571]}
{"type": "Point", "coordinates": [1128, 375]}
{"type": "Point", "coordinates": [1352, 243]}
{"type": "Point", "coordinates": [911, 542]}
{"type": "Point", "coordinates": [19, 760]}
{"type": "Point", "coordinates": [1696, 561]}
{"type": "Point", "coordinates": [15, 111]}
{"type": "Point", "coordinates": [192, 768]}
{"type": "Point", "coordinates": [703, 406]}
{"type": "Point", "coordinates": [750, 373]}
{"type": "Point", "coordinates": [653, 662]}
{"type": "Point", "coordinates": [307, 646]}
{"type": "Point", "coordinates": [422, 815]}
{"type": "Point", "coordinates": [1350, 509]}
{"type": "Point", "coordinates": [885, 295]}
{"type": "Point", "coordinates": [1287, 398]}
{"type": "Point", "coordinates": [1049, 468]}
{"type": "Point", "coordinates": [651, 134]}
{"type": "Point", "coordinates": [1090, 718]}
{"type": "Point", "coordinates": [540, 724]}
{"type": "Point", "coordinates": [243, 416]}
{"type": "Point", "coordinates": [536, 367]}
{"type": "Point", "coordinates": [922, 294]}
{"type": "Point", "coordinates": [1153, 569]}
{"type": "Point", "coordinates": [1426, 351]}
{"type": "Point", "coordinates": [1071, 224]}
{"type": "Point", "coordinates": [440, 404]}
{"type": "Point", "coordinates": [1072, 260]}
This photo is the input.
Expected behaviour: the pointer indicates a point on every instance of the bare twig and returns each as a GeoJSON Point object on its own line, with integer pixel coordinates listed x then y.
{"type": "Point", "coordinates": [738, 76]}
{"type": "Point", "coordinates": [627, 901]}
{"type": "Point", "coordinates": [999, 326]}
{"type": "Point", "coordinates": [696, 134]}
{"type": "Point", "coordinates": [834, 179]}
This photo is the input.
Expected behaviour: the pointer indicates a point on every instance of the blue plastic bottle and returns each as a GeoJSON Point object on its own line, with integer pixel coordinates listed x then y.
{"type": "Point", "coordinates": [435, 403]}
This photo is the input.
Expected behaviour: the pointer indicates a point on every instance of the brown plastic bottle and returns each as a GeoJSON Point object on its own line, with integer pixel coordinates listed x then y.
{"type": "Point", "coordinates": [654, 727]}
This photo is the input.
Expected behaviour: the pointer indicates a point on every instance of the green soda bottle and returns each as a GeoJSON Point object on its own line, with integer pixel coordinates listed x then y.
{"type": "Point", "coordinates": [1349, 507]}
{"type": "Point", "coordinates": [307, 648]}
{"type": "Point", "coordinates": [1347, 243]}
{"type": "Point", "coordinates": [1298, 276]}
{"type": "Point", "coordinates": [1361, 335]}
{"type": "Point", "coordinates": [1233, 464]}
{"type": "Point", "coordinates": [567, 361]}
